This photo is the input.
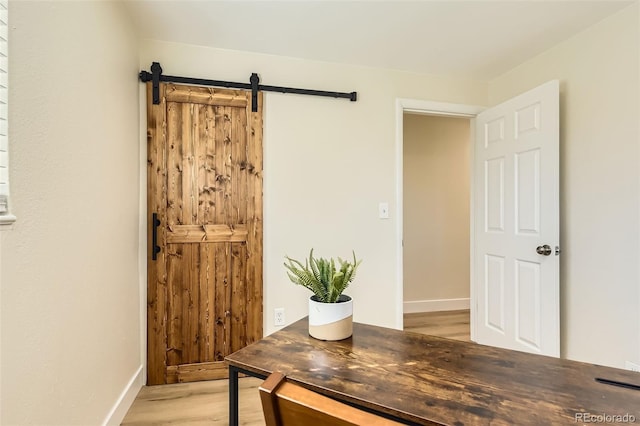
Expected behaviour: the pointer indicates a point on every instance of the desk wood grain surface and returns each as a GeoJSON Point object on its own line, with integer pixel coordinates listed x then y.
{"type": "Point", "coordinates": [430, 380]}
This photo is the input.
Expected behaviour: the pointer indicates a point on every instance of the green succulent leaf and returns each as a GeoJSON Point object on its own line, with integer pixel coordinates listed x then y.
{"type": "Point", "coordinates": [324, 277]}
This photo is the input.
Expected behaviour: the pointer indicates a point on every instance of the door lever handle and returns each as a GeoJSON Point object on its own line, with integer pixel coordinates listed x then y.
{"type": "Point", "coordinates": [544, 250]}
{"type": "Point", "coordinates": [155, 248]}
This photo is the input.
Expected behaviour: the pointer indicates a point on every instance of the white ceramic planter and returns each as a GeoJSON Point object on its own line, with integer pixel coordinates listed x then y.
{"type": "Point", "coordinates": [331, 321]}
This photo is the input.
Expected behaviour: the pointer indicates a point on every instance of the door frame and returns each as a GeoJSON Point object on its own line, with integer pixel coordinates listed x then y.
{"type": "Point", "coordinates": [442, 109]}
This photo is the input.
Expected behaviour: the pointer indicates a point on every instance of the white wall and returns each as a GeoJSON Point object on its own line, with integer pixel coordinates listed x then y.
{"type": "Point", "coordinates": [70, 288]}
{"type": "Point", "coordinates": [328, 163]}
{"type": "Point", "coordinates": [436, 209]}
{"type": "Point", "coordinates": [600, 283]}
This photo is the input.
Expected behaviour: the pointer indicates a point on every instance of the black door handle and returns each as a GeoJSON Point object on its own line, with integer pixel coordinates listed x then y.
{"type": "Point", "coordinates": [155, 248]}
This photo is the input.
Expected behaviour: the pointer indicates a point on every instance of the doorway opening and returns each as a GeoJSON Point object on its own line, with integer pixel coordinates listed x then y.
{"type": "Point", "coordinates": [415, 109]}
{"type": "Point", "coordinates": [436, 225]}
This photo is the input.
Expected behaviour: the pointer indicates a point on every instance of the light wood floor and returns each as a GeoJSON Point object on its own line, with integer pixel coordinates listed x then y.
{"type": "Point", "coordinates": [449, 324]}
{"type": "Point", "coordinates": [203, 403]}
{"type": "Point", "coordinates": [197, 403]}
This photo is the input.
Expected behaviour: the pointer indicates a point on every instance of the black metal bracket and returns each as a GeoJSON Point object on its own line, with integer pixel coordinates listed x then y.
{"type": "Point", "coordinates": [156, 72]}
{"type": "Point", "coordinates": [255, 86]}
{"type": "Point", "coordinates": [156, 76]}
{"type": "Point", "coordinates": [155, 248]}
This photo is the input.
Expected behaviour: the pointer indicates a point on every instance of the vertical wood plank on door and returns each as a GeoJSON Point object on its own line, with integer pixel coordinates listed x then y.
{"type": "Point", "coordinates": [207, 168]}
{"type": "Point", "coordinates": [184, 309]}
{"type": "Point", "coordinates": [254, 221]}
{"type": "Point", "coordinates": [190, 214]}
{"type": "Point", "coordinates": [175, 268]}
{"type": "Point", "coordinates": [187, 143]}
{"type": "Point", "coordinates": [220, 307]}
{"type": "Point", "coordinates": [174, 165]}
{"type": "Point", "coordinates": [203, 303]}
{"type": "Point", "coordinates": [238, 297]}
{"type": "Point", "coordinates": [194, 314]}
{"type": "Point", "coordinates": [226, 165]}
{"type": "Point", "coordinates": [205, 154]}
{"type": "Point", "coordinates": [177, 263]}
{"type": "Point", "coordinates": [227, 299]}
{"type": "Point", "coordinates": [219, 216]}
{"type": "Point", "coordinates": [212, 328]}
{"type": "Point", "coordinates": [156, 200]}
{"type": "Point", "coordinates": [238, 214]}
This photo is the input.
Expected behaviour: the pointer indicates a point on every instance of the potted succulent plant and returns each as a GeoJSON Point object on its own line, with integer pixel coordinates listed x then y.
{"type": "Point", "coordinates": [330, 311]}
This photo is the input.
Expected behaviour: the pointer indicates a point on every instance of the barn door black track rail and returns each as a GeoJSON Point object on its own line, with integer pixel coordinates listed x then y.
{"type": "Point", "coordinates": [156, 76]}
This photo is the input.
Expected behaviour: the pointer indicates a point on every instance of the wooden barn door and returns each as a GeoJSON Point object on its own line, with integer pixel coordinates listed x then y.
{"type": "Point", "coordinates": [205, 188]}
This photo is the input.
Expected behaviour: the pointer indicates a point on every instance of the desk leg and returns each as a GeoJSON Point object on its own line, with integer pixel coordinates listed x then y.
{"type": "Point", "coordinates": [233, 396]}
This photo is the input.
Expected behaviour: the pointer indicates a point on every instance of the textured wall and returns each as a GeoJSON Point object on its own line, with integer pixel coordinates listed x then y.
{"type": "Point", "coordinates": [70, 293]}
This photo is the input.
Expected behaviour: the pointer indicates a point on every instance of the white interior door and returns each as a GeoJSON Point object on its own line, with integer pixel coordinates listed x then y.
{"type": "Point", "coordinates": [516, 196]}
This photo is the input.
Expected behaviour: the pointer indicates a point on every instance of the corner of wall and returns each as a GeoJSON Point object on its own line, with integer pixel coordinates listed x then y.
{"type": "Point", "coordinates": [126, 398]}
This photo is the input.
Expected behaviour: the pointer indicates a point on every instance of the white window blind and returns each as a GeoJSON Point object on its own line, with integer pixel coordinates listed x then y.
{"type": "Point", "coordinates": [5, 216]}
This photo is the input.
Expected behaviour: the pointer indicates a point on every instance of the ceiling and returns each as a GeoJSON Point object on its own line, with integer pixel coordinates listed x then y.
{"type": "Point", "coordinates": [471, 39]}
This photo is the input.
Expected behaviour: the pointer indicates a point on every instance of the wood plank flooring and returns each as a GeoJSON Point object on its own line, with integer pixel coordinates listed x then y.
{"type": "Point", "coordinates": [201, 403]}
{"type": "Point", "coordinates": [196, 403]}
{"type": "Point", "coordinates": [449, 324]}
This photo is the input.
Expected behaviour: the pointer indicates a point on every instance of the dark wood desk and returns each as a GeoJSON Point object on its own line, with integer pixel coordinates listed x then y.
{"type": "Point", "coordinates": [427, 380]}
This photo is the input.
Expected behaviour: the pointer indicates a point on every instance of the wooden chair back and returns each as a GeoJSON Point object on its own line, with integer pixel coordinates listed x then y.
{"type": "Point", "coordinates": [287, 404]}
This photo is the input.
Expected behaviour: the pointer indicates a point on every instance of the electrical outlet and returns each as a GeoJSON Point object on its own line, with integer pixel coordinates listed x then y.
{"type": "Point", "coordinates": [632, 366]}
{"type": "Point", "coordinates": [278, 318]}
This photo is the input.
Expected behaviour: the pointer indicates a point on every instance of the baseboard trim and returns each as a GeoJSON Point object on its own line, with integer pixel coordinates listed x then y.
{"type": "Point", "coordinates": [435, 305]}
{"type": "Point", "coordinates": [128, 395]}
